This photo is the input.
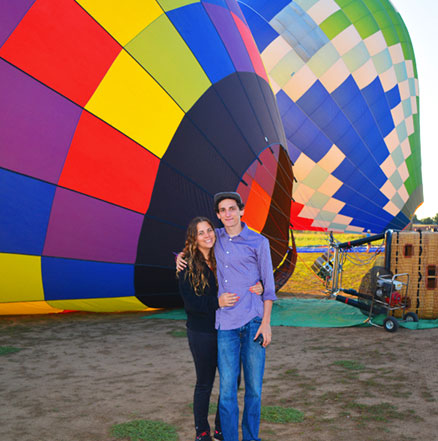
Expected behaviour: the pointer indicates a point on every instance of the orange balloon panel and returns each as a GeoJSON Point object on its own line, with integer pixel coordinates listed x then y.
{"type": "Point", "coordinates": [257, 207]}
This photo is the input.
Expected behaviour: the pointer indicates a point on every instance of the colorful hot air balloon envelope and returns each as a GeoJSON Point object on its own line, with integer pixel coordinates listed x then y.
{"type": "Point", "coordinates": [118, 123]}
{"type": "Point", "coordinates": [345, 79]}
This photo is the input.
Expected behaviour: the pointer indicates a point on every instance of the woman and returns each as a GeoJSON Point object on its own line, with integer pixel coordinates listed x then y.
{"type": "Point", "coordinates": [198, 288]}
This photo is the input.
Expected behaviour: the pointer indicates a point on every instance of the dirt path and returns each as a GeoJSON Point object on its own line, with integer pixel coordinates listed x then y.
{"type": "Point", "coordinates": [79, 374]}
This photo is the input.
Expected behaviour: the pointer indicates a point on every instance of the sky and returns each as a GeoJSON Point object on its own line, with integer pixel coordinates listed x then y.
{"type": "Point", "coordinates": [421, 20]}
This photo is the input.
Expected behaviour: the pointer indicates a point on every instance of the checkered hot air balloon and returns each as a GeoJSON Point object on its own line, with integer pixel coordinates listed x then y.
{"type": "Point", "coordinates": [345, 79]}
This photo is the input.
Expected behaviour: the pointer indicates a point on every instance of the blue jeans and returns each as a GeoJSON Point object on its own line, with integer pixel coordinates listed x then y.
{"type": "Point", "coordinates": [237, 345]}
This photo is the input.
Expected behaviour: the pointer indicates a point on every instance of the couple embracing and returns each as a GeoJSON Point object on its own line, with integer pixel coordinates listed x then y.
{"type": "Point", "coordinates": [227, 284]}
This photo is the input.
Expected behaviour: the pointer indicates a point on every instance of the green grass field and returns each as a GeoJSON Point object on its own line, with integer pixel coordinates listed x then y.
{"type": "Point", "coordinates": [309, 238]}
{"type": "Point", "coordinates": [305, 281]}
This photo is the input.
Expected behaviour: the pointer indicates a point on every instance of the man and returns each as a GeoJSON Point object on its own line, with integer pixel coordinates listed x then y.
{"type": "Point", "coordinates": [243, 258]}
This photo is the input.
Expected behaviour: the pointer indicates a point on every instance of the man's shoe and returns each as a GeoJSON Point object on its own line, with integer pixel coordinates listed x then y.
{"type": "Point", "coordinates": [218, 435]}
{"type": "Point", "coordinates": [204, 436]}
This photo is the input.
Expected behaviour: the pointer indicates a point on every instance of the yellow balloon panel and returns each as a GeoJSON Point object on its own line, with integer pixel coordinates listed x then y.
{"type": "Point", "coordinates": [168, 5]}
{"type": "Point", "coordinates": [123, 20]}
{"type": "Point", "coordinates": [20, 308]}
{"type": "Point", "coordinates": [20, 278]}
{"type": "Point", "coordinates": [130, 100]}
{"type": "Point", "coordinates": [109, 304]}
{"type": "Point", "coordinates": [165, 55]}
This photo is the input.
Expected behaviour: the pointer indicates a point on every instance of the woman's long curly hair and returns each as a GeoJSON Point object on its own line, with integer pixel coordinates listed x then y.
{"type": "Point", "coordinates": [195, 259]}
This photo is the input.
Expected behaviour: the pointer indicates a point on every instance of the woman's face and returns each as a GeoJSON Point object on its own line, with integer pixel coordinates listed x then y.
{"type": "Point", "coordinates": [205, 238]}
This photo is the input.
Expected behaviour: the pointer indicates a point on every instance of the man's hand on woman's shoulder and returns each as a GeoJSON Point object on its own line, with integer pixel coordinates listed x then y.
{"type": "Point", "coordinates": [180, 262]}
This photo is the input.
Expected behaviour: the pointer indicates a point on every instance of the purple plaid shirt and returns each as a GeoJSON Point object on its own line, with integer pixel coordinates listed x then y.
{"type": "Point", "coordinates": [242, 261]}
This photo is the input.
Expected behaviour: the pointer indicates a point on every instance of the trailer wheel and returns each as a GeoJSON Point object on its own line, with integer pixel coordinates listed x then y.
{"type": "Point", "coordinates": [410, 317]}
{"type": "Point", "coordinates": [390, 324]}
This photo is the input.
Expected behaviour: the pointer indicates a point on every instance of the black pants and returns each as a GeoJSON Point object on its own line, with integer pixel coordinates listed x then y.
{"type": "Point", "coordinates": [203, 346]}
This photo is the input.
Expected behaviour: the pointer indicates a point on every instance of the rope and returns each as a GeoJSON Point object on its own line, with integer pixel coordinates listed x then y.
{"type": "Point", "coordinates": [310, 269]}
{"type": "Point", "coordinates": [362, 262]}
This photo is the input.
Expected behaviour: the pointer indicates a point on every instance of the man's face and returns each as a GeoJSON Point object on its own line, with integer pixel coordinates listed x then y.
{"type": "Point", "coordinates": [229, 213]}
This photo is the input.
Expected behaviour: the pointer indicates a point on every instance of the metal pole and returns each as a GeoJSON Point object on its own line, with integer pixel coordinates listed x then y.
{"type": "Point", "coordinates": [335, 278]}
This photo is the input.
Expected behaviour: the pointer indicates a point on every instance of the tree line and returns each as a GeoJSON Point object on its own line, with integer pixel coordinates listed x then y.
{"type": "Point", "coordinates": [426, 220]}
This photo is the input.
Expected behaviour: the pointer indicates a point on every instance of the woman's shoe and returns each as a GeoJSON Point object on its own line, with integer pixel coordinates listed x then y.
{"type": "Point", "coordinates": [204, 436]}
{"type": "Point", "coordinates": [218, 435]}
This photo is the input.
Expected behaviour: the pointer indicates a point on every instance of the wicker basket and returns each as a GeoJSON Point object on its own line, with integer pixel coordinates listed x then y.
{"type": "Point", "coordinates": [416, 253]}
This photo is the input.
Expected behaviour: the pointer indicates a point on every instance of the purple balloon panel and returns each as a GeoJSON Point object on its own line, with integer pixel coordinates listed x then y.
{"type": "Point", "coordinates": [36, 126]}
{"type": "Point", "coordinates": [82, 227]}
{"type": "Point", "coordinates": [227, 29]}
{"type": "Point", "coordinates": [11, 13]}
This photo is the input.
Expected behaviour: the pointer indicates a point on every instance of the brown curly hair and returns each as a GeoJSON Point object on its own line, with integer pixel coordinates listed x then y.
{"type": "Point", "coordinates": [195, 259]}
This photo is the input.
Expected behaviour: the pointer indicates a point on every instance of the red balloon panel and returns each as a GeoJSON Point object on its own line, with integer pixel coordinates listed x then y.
{"type": "Point", "coordinates": [104, 163]}
{"type": "Point", "coordinates": [59, 44]}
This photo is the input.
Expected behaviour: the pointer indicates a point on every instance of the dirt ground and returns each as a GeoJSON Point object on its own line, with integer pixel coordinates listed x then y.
{"type": "Point", "coordinates": [78, 374]}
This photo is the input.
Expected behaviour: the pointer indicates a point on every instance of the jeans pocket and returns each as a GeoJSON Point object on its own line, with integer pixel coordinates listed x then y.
{"type": "Point", "coordinates": [257, 320]}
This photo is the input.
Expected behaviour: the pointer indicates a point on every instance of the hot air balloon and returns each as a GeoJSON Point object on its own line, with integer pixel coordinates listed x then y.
{"type": "Point", "coordinates": [345, 79]}
{"type": "Point", "coordinates": [119, 121]}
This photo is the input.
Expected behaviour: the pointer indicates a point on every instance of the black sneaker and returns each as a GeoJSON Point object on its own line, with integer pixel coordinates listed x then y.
{"type": "Point", "coordinates": [204, 436]}
{"type": "Point", "coordinates": [218, 435]}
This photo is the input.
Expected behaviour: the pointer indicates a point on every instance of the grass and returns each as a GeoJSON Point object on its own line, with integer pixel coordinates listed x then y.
{"type": "Point", "coordinates": [272, 414]}
{"type": "Point", "coordinates": [4, 350]}
{"type": "Point", "coordinates": [282, 415]}
{"type": "Point", "coordinates": [178, 333]}
{"type": "Point", "coordinates": [304, 280]}
{"type": "Point", "coordinates": [381, 412]}
{"type": "Point", "coordinates": [292, 372]}
{"type": "Point", "coordinates": [307, 238]}
{"type": "Point", "coordinates": [144, 430]}
{"type": "Point", "coordinates": [349, 365]}
{"type": "Point", "coordinates": [356, 391]}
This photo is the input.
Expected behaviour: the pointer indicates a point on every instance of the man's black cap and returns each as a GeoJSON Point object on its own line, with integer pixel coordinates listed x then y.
{"type": "Point", "coordinates": [227, 195]}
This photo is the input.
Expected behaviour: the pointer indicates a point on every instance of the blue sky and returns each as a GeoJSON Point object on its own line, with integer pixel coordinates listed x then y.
{"type": "Point", "coordinates": [421, 19]}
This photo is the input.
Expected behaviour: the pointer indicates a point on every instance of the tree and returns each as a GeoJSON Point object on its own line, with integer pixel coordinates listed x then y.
{"type": "Point", "coordinates": [423, 221]}
{"type": "Point", "coordinates": [426, 220]}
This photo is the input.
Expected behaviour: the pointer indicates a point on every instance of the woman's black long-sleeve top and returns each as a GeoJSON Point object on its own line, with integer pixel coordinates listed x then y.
{"type": "Point", "coordinates": [200, 309]}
